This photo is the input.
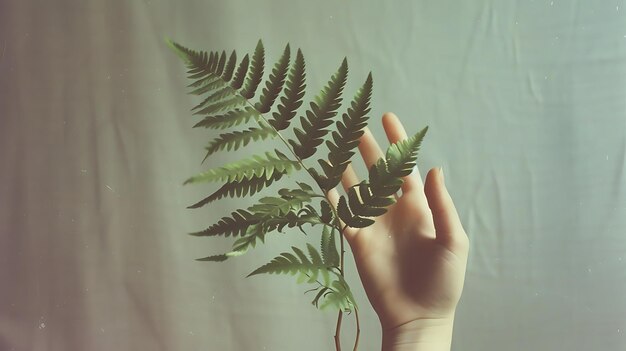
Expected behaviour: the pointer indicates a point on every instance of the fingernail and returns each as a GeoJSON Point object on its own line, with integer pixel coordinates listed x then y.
{"type": "Point", "coordinates": [441, 174]}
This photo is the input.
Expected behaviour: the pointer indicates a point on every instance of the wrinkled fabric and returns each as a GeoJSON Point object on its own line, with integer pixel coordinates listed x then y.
{"type": "Point", "coordinates": [525, 103]}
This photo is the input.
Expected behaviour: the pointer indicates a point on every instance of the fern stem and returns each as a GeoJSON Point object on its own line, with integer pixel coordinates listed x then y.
{"type": "Point", "coordinates": [358, 330]}
{"type": "Point", "coordinates": [338, 331]}
{"type": "Point", "coordinates": [284, 141]}
{"type": "Point", "coordinates": [342, 249]}
{"type": "Point", "coordinates": [340, 316]}
{"type": "Point", "coordinates": [303, 166]}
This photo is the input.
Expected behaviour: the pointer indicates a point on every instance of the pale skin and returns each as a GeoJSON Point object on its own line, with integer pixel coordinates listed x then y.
{"type": "Point", "coordinates": [412, 260]}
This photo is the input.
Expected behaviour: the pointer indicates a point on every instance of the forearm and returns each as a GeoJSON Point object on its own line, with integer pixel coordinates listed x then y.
{"type": "Point", "coordinates": [421, 335]}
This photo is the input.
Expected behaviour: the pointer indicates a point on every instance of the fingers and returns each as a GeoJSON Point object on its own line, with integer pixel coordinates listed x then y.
{"type": "Point", "coordinates": [448, 228]}
{"type": "Point", "coordinates": [370, 151]}
{"type": "Point", "coordinates": [349, 177]}
{"type": "Point", "coordinates": [413, 185]}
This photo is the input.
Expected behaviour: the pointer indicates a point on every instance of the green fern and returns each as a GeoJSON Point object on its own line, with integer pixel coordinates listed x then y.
{"type": "Point", "coordinates": [301, 265]}
{"type": "Point", "coordinates": [228, 88]}
{"type": "Point", "coordinates": [319, 116]}
{"type": "Point", "coordinates": [385, 179]}
{"type": "Point", "coordinates": [246, 169]}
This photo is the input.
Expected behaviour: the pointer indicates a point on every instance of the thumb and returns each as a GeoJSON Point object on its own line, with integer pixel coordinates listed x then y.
{"type": "Point", "coordinates": [448, 228]}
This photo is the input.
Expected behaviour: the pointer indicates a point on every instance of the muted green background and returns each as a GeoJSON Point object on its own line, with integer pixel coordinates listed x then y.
{"type": "Point", "coordinates": [526, 103]}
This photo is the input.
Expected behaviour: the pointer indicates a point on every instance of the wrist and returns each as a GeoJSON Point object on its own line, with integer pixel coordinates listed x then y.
{"type": "Point", "coordinates": [420, 335]}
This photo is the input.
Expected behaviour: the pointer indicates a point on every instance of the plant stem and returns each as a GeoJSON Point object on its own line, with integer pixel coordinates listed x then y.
{"type": "Point", "coordinates": [340, 316]}
{"type": "Point", "coordinates": [342, 249]}
{"type": "Point", "coordinates": [358, 329]}
{"type": "Point", "coordinates": [338, 331]}
{"type": "Point", "coordinates": [284, 141]}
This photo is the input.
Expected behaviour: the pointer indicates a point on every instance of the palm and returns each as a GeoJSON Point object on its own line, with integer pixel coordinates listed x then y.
{"type": "Point", "coordinates": [405, 271]}
{"type": "Point", "coordinates": [410, 269]}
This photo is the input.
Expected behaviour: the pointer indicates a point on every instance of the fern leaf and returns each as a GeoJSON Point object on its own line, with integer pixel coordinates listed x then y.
{"type": "Point", "coordinates": [322, 291]}
{"type": "Point", "coordinates": [358, 207]}
{"type": "Point", "coordinates": [267, 225]}
{"type": "Point", "coordinates": [220, 64]}
{"type": "Point", "coordinates": [256, 166]}
{"type": "Point", "coordinates": [234, 140]}
{"type": "Point", "coordinates": [288, 263]}
{"type": "Point", "coordinates": [385, 179]}
{"type": "Point", "coordinates": [327, 213]}
{"type": "Point", "coordinates": [275, 84]}
{"type": "Point", "coordinates": [211, 86]}
{"type": "Point", "coordinates": [349, 218]}
{"type": "Point", "coordinates": [339, 297]}
{"type": "Point", "coordinates": [222, 257]}
{"type": "Point", "coordinates": [230, 67]}
{"type": "Point", "coordinates": [206, 85]}
{"type": "Point", "coordinates": [199, 63]}
{"type": "Point", "coordinates": [319, 116]}
{"type": "Point", "coordinates": [315, 256]}
{"type": "Point", "coordinates": [229, 119]}
{"type": "Point", "coordinates": [235, 225]}
{"type": "Point", "coordinates": [294, 93]}
{"type": "Point", "coordinates": [328, 247]}
{"type": "Point", "coordinates": [346, 138]}
{"type": "Point", "coordinates": [214, 258]}
{"type": "Point", "coordinates": [227, 104]}
{"type": "Point", "coordinates": [240, 74]}
{"type": "Point", "coordinates": [240, 188]}
{"type": "Point", "coordinates": [256, 72]}
{"type": "Point", "coordinates": [205, 69]}
{"type": "Point", "coordinates": [270, 206]}
{"type": "Point", "coordinates": [224, 92]}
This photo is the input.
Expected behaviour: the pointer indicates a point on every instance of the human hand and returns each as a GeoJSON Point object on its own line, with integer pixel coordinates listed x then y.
{"type": "Point", "coordinates": [412, 260]}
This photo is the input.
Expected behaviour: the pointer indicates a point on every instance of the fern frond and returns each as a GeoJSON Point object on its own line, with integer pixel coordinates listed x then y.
{"type": "Point", "coordinates": [275, 84]}
{"type": "Point", "coordinates": [240, 73]}
{"type": "Point", "coordinates": [230, 67]}
{"type": "Point", "coordinates": [346, 138]}
{"type": "Point", "coordinates": [349, 218]}
{"type": "Point", "coordinates": [327, 213]}
{"type": "Point", "coordinates": [319, 116]}
{"type": "Point", "coordinates": [256, 166]}
{"type": "Point", "coordinates": [258, 231]}
{"type": "Point", "coordinates": [256, 72]}
{"type": "Point", "coordinates": [234, 140]}
{"type": "Point", "coordinates": [268, 214]}
{"type": "Point", "coordinates": [229, 119]}
{"type": "Point", "coordinates": [198, 62]}
{"type": "Point", "coordinates": [300, 264]}
{"type": "Point", "coordinates": [385, 179]}
{"type": "Point", "coordinates": [328, 247]}
{"type": "Point", "coordinates": [227, 104]}
{"type": "Point", "coordinates": [271, 206]}
{"type": "Point", "coordinates": [206, 85]}
{"type": "Point", "coordinates": [240, 188]}
{"type": "Point", "coordinates": [222, 257]}
{"type": "Point", "coordinates": [339, 297]}
{"type": "Point", "coordinates": [206, 69]}
{"type": "Point", "coordinates": [294, 93]}
{"type": "Point", "coordinates": [220, 64]}
{"type": "Point", "coordinates": [236, 224]}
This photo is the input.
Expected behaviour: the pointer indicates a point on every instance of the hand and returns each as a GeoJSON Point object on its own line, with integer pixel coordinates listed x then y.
{"type": "Point", "coordinates": [412, 260]}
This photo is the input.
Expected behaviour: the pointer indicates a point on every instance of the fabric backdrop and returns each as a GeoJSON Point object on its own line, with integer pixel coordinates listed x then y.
{"type": "Point", "coordinates": [526, 104]}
